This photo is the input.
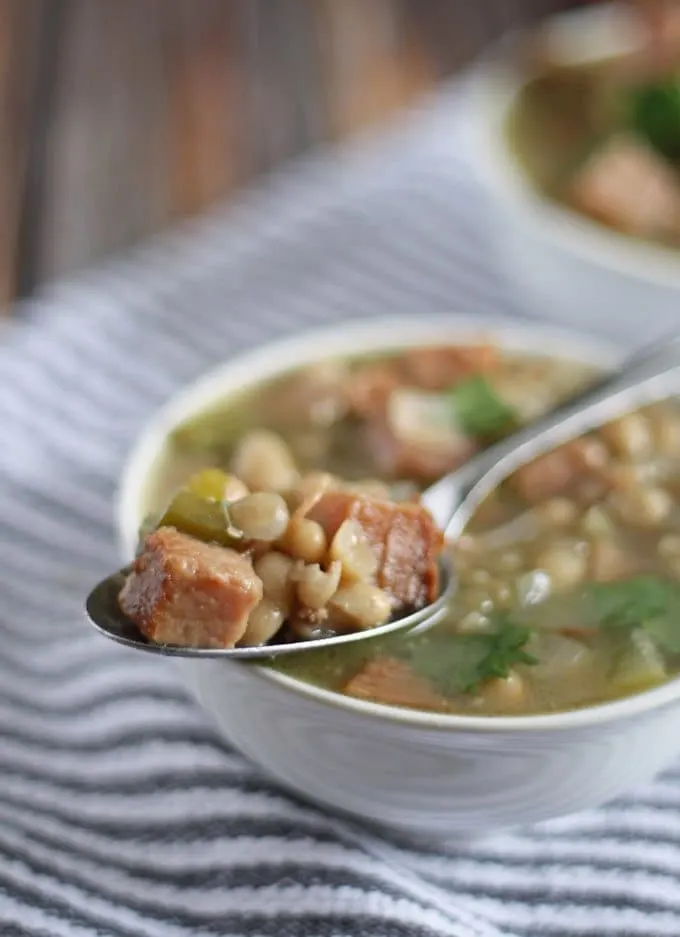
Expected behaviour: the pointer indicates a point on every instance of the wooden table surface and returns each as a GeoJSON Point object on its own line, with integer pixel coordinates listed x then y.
{"type": "Point", "coordinates": [118, 117]}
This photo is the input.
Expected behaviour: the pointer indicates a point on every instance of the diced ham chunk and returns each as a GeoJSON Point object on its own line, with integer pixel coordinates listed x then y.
{"type": "Point", "coordinates": [440, 368]}
{"type": "Point", "coordinates": [401, 458]}
{"type": "Point", "coordinates": [628, 187]}
{"type": "Point", "coordinates": [404, 537]}
{"type": "Point", "coordinates": [546, 476]}
{"type": "Point", "coordinates": [558, 471]}
{"type": "Point", "coordinates": [182, 591]}
{"type": "Point", "coordinates": [431, 369]}
{"type": "Point", "coordinates": [393, 682]}
{"type": "Point", "coordinates": [369, 389]}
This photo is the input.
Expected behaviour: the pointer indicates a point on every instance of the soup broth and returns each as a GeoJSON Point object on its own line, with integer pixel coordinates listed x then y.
{"type": "Point", "coordinates": [569, 574]}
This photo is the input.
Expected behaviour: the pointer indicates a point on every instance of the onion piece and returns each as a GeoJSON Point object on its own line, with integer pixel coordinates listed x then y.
{"type": "Point", "coordinates": [424, 419]}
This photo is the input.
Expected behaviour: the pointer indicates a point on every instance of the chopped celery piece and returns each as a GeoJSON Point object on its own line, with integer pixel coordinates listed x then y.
{"type": "Point", "coordinates": [210, 484]}
{"type": "Point", "coordinates": [421, 418]}
{"type": "Point", "coordinates": [214, 431]}
{"type": "Point", "coordinates": [640, 665]}
{"type": "Point", "coordinates": [478, 409]}
{"type": "Point", "coordinates": [200, 518]}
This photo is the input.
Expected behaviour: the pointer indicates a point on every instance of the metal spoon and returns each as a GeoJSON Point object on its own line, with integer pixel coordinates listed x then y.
{"type": "Point", "coordinates": [647, 377]}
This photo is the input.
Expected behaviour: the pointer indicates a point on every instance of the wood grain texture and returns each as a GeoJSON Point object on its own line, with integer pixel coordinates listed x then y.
{"type": "Point", "coordinates": [117, 119]}
{"type": "Point", "coordinates": [20, 41]}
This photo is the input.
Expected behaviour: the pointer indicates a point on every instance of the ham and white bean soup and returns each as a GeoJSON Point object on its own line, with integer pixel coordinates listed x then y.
{"type": "Point", "coordinates": [292, 511]}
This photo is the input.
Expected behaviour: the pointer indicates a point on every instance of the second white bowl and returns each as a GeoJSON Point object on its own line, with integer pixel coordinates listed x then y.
{"type": "Point", "coordinates": [567, 269]}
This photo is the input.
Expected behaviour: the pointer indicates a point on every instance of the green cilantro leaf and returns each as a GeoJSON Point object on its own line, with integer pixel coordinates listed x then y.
{"type": "Point", "coordinates": [646, 602]}
{"type": "Point", "coordinates": [459, 663]}
{"type": "Point", "coordinates": [478, 409]}
{"type": "Point", "coordinates": [655, 115]}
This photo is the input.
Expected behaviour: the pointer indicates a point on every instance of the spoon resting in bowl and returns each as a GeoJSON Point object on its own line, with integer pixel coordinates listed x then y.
{"type": "Point", "coordinates": [647, 377]}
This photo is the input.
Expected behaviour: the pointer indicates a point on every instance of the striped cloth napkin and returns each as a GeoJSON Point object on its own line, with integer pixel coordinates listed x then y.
{"type": "Point", "coordinates": [121, 812]}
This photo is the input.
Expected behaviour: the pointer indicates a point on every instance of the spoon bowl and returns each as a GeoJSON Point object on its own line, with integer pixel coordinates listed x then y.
{"type": "Point", "coordinates": [105, 615]}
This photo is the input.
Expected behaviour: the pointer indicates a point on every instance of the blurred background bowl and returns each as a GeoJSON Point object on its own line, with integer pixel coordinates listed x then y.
{"type": "Point", "coordinates": [565, 267]}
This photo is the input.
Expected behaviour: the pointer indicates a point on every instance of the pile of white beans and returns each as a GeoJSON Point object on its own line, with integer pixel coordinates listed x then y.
{"type": "Point", "coordinates": [592, 533]}
{"type": "Point", "coordinates": [313, 585]}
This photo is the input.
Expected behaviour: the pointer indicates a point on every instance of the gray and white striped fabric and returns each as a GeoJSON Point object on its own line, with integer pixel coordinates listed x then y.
{"type": "Point", "coordinates": [121, 812]}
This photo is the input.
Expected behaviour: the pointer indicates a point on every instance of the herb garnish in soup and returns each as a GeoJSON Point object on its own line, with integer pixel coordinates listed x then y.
{"type": "Point", "coordinates": [569, 573]}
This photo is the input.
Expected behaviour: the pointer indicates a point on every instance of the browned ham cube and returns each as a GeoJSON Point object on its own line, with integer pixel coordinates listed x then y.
{"type": "Point", "coordinates": [628, 186]}
{"type": "Point", "coordinates": [182, 591]}
{"type": "Point", "coordinates": [559, 471]}
{"type": "Point", "coordinates": [393, 682]}
{"type": "Point", "coordinates": [404, 537]}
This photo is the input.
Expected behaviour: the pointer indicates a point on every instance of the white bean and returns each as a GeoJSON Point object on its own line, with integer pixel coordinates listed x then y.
{"type": "Point", "coordinates": [263, 623]}
{"type": "Point", "coordinates": [596, 522]}
{"type": "Point", "coordinates": [305, 540]}
{"type": "Point", "coordinates": [275, 569]}
{"type": "Point", "coordinates": [626, 476]}
{"type": "Point", "coordinates": [360, 605]}
{"type": "Point", "coordinates": [644, 506]}
{"type": "Point", "coordinates": [261, 516]}
{"type": "Point", "coordinates": [593, 452]}
{"type": "Point", "coordinates": [630, 436]}
{"type": "Point", "coordinates": [315, 586]}
{"type": "Point", "coordinates": [564, 563]}
{"type": "Point", "coordinates": [350, 547]}
{"type": "Point", "coordinates": [666, 427]}
{"type": "Point", "coordinates": [609, 559]}
{"type": "Point", "coordinates": [264, 462]}
{"type": "Point", "coordinates": [669, 546]}
{"type": "Point", "coordinates": [558, 512]}
{"type": "Point", "coordinates": [504, 694]}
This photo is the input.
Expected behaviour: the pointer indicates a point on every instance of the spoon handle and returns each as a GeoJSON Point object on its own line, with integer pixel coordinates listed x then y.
{"type": "Point", "coordinates": [645, 379]}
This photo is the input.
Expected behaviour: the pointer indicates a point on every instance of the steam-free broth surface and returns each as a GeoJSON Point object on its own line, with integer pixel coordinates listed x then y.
{"type": "Point", "coordinates": [569, 574]}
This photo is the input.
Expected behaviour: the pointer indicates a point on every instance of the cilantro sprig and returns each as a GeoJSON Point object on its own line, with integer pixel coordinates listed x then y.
{"type": "Point", "coordinates": [647, 602]}
{"type": "Point", "coordinates": [479, 410]}
{"type": "Point", "coordinates": [655, 115]}
{"type": "Point", "coordinates": [459, 663]}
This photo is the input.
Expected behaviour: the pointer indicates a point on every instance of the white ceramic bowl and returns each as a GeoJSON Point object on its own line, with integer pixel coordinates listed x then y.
{"type": "Point", "coordinates": [567, 268]}
{"type": "Point", "coordinates": [433, 774]}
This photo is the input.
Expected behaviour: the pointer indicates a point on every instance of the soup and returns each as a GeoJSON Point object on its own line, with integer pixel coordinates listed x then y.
{"type": "Point", "coordinates": [569, 573]}
{"type": "Point", "coordinates": [604, 139]}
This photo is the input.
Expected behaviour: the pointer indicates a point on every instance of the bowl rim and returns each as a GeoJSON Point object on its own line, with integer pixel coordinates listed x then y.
{"type": "Point", "coordinates": [492, 89]}
{"type": "Point", "coordinates": [368, 336]}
